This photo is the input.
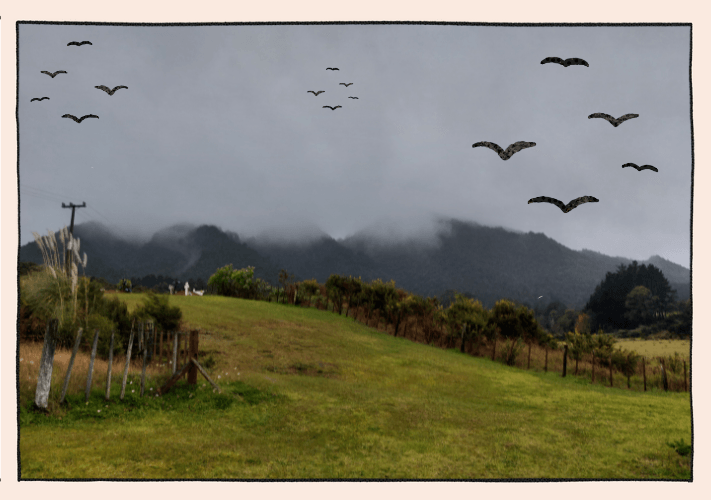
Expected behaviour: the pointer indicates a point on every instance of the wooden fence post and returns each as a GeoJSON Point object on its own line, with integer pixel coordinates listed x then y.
{"type": "Point", "coordinates": [685, 387]}
{"type": "Point", "coordinates": [44, 380]}
{"type": "Point", "coordinates": [644, 374]}
{"type": "Point", "coordinates": [610, 371]}
{"type": "Point", "coordinates": [193, 354]}
{"type": "Point", "coordinates": [493, 354]}
{"type": "Point", "coordinates": [71, 364]}
{"type": "Point", "coordinates": [91, 364]}
{"type": "Point", "coordinates": [627, 368]}
{"type": "Point", "coordinates": [111, 361]}
{"type": "Point", "coordinates": [545, 368]}
{"type": "Point", "coordinates": [565, 360]}
{"type": "Point", "coordinates": [145, 357]}
{"type": "Point", "coordinates": [128, 362]}
{"type": "Point", "coordinates": [175, 351]}
{"type": "Point", "coordinates": [665, 382]}
{"type": "Point", "coordinates": [185, 348]}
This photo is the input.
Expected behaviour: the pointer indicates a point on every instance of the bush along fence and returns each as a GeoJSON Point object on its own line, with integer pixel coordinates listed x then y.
{"type": "Point", "coordinates": [507, 333]}
{"type": "Point", "coordinates": [180, 347]}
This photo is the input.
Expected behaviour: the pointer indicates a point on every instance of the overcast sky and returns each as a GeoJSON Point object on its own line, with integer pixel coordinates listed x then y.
{"type": "Point", "coordinates": [217, 127]}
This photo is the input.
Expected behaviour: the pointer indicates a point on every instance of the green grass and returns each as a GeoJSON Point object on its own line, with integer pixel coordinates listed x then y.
{"type": "Point", "coordinates": [653, 348]}
{"type": "Point", "coordinates": [311, 394]}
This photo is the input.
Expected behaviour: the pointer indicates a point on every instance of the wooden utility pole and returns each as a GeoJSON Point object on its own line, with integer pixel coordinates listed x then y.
{"type": "Point", "coordinates": [68, 257]}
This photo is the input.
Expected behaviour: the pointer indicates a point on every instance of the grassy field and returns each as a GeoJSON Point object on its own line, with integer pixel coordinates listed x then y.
{"type": "Point", "coordinates": [655, 348]}
{"type": "Point", "coordinates": [310, 394]}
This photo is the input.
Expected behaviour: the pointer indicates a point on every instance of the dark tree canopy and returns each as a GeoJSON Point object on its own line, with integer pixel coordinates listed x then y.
{"type": "Point", "coordinates": [606, 305]}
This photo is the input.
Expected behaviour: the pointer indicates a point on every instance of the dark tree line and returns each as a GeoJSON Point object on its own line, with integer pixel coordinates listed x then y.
{"type": "Point", "coordinates": [618, 303]}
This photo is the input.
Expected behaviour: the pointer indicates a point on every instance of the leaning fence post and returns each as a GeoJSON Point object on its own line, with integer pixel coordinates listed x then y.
{"type": "Point", "coordinates": [91, 364]}
{"type": "Point", "coordinates": [71, 364]}
{"type": "Point", "coordinates": [128, 362]}
{"type": "Point", "coordinates": [111, 361]}
{"type": "Point", "coordinates": [644, 374]}
{"type": "Point", "coordinates": [175, 351]}
{"type": "Point", "coordinates": [685, 387]}
{"type": "Point", "coordinates": [44, 380]}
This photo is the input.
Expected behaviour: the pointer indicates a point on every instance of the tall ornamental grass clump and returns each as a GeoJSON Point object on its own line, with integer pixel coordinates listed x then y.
{"type": "Point", "coordinates": [56, 291]}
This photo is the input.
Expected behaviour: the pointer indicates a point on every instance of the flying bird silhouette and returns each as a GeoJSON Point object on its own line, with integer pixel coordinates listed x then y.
{"type": "Point", "coordinates": [316, 93]}
{"type": "Point", "coordinates": [346, 84]}
{"type": "Point", "coordinates": [108, 90]}
{"type": "Point", "coordinates": [643, 167]}
{"type": "Point", "coordinates": [333, 69]}
{"type": "Point", "coordinates": [53, 74]}
{"type": "Point", "coordinates": [349, 97]}
{"type": "Point", "coordinates": [505, 155]}
{"type": "Point", "coordinates": [567, 62]}
{"type": "Point", "coordinates": [332, 108]}
{"type": "Point", "coordinates": [78, 120]}
{"type": "Point", "coordinates": [614, 121]}
{"type": "Point", "coordinates": [38, 98]}
{"type": "Point", "coordinates": [565, 208]}
{"type": "Point", "coordinates": [85, 42]}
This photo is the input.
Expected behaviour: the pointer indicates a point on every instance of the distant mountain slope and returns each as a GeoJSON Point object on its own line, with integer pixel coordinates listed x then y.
{"type": "Point", "coordinates": [181, 252]}
{"type": "Point", "coordinates": [488, 263]}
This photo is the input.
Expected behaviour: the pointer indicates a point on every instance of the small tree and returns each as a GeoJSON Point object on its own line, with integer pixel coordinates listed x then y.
{"type": "Point", "coordinates": [309, 288]}
{"type": "Point", "coordinates": [167, 317]}
{"type": "Point", "coordinates": [578, 346]}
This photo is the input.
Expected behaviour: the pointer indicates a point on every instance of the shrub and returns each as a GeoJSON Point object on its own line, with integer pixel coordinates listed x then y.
{"type": "Point", "coordinates": [167, 317]}
{"type": "Point", "coordinates": [510, 351]}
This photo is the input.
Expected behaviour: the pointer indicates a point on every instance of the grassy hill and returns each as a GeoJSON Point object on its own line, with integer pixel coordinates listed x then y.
{"type": "Point", "coordinates": [310, 394]}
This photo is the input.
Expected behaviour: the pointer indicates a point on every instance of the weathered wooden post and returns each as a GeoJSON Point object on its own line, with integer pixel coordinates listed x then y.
{"type": "Point", "coordinates": [493, 354]}
{"type": "Point", "coordinates": [175, 351]}
{"type": "Point", "coordinates": [44, 380]}
{"type": "Point", "coordinates": [644, 374]}
{"type": "Point", "coordinates": [71, 364]}
{"type": "Point", "coordinates": [664, 374]}
{"type": "Point", "coordinates": [185, 347]}
{"type": "Point", "coordinates": [610, 360]}
{"type": "Point", "coordinates": [111, 362]}
{"type": "Point", "coordinates": [128, 362]}
{"type": "Point", "coordinates": [91, 364]}
{"type": "Point", "coordinates": [193, 354]}
{"type": "Point", "coordinates": [565, 360]}
{"type": "Point", "coordinates": [685, 386]}
{"type": "Point", "coordinates": [629, 370]}
{"type": "Point", "coordinates": [145, 358]}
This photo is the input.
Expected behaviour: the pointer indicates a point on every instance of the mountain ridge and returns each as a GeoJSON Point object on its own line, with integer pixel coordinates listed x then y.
{"type": "Point", "coordinates": [488, 263]}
